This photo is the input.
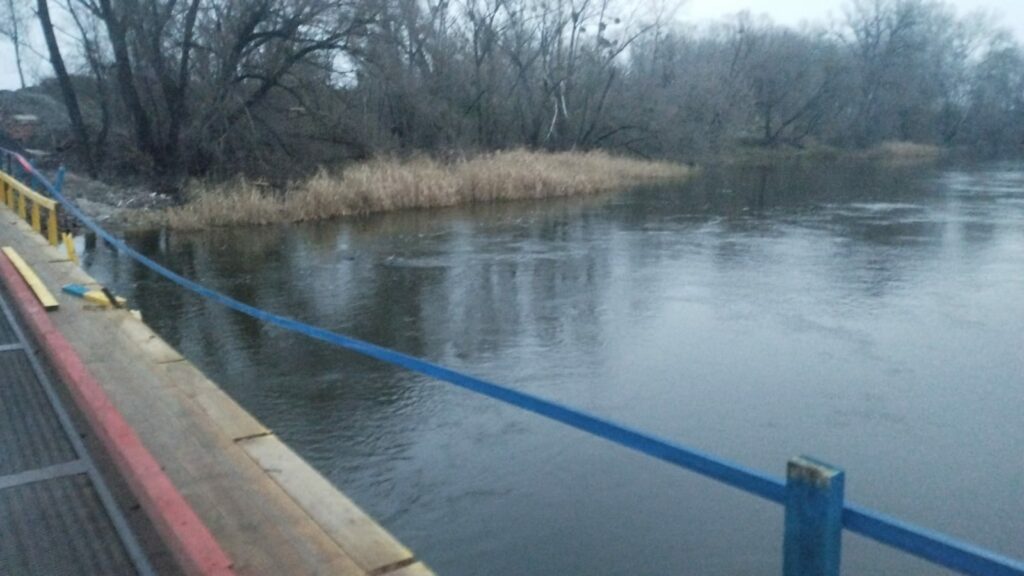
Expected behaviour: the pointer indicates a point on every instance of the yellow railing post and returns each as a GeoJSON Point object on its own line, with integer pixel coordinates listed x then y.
{"type": "Point", "coordinates": [37, 219]}
{"type": "Point", "coordinates": [21, 205]}
{"type": "Point", "coordinates": [51, 227]}
{"type": "Point", "coordinates": [8, 191]}
{"type": "Point", "coordinates": [69, 245]}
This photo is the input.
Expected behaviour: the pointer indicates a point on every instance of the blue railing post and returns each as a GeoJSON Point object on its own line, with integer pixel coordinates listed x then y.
{"type": "Point", "coordinates": [814, 518]}
{"type": "Point", "coordinates": [35, 182]}
{"type": "Point", "coordinates": [58, 182]}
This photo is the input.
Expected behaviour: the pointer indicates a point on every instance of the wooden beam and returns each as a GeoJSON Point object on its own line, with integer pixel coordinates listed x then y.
{"type": "Point", "coordinates": [38, 288]}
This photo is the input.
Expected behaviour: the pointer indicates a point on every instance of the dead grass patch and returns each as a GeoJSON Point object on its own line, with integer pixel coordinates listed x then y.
{"type": "Point", "coordinates": [384, 185]}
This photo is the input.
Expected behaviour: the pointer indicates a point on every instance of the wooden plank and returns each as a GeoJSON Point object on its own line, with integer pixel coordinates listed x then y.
{"type": "Point", "coordinates": [231, 418]}
{"type": "Point", "coordinates": [417, 569]}
{"type": "Point", "coordinates": [38, 288]}
{"type": "Point", "coordinates": [372, 547]}
{"type": "Point", "coordinates": [155, 347]}
{"type": "Point", "coordinates": [261, 527]}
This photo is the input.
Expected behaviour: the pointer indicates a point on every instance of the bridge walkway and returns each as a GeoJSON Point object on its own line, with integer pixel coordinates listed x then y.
{"type": "Point", "coordinates": [58, 515]}
{"type": "Point", "coordinates": [269, 510]}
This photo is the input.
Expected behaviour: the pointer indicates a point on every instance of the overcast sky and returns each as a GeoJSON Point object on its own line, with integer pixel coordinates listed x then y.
{"type": "Point", "coordinates": [1008, 13]}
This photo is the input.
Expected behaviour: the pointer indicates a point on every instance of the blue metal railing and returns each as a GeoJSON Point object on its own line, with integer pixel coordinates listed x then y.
{"type": "Point", "coordinates": [797, 491]}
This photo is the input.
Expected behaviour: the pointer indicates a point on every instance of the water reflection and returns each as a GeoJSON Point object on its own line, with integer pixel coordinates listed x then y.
{"type": "Point", "coordinates": [866, 314]}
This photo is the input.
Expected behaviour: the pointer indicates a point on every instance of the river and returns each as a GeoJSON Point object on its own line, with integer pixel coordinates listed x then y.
{"type": "Point", "coordinates": [870, 316]}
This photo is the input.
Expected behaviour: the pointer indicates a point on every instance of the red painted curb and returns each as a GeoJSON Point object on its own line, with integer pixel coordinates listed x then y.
{"type": "Point", "coordinates": [194, 547]}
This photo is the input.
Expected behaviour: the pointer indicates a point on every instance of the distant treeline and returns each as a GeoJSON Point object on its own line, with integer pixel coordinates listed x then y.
{"type": "Point", "coordinates": [208, 87]}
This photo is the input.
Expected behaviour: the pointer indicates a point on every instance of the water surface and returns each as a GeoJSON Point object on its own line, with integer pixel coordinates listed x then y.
{"type": "Point", "coordinates": [869, 316]}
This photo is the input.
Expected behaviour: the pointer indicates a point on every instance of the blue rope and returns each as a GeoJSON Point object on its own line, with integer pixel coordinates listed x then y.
{"type": "Point", "coordinates": [931, 546]}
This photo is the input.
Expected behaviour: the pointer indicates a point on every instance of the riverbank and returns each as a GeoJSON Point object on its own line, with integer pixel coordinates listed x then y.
{"type": "Point", "coordinates": [385, 185]}
{"type": "Point", "coordinates": [893, 152]}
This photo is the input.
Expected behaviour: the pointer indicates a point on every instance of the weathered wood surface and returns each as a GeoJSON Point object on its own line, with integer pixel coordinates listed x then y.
{"type": "Point", "coordinates": [38, 287]}
{"type": "Point", "coordinates": [372, 548]}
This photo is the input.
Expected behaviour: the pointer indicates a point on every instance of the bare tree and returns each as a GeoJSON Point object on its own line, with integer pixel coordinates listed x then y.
{"type": "Point", "coordinates": [220, 86]}
{"type": "Point", "coordinates": [66, 87]}
{"type": "Point", "coordinates": [793, 79]}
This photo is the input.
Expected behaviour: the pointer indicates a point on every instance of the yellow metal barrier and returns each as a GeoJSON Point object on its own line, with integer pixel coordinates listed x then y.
{"type": "Point", "coordinates": [69, 245]}
{"type": "Point", "coordinates": [25, 201]}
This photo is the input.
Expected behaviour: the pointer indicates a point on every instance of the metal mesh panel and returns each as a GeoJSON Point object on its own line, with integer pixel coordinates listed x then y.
{"type": "Point", "coordinates": [30, 434]}
{"type": "Point", "coordinates": [58, 528]}
{"type": "Point", "coordinates": [57, 517]}
{"type": "Point", "coordinates": [7, 335]}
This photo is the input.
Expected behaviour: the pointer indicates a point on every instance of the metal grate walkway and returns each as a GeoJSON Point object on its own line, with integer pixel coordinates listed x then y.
{"type": "Point", "coordinates": [57, 515]}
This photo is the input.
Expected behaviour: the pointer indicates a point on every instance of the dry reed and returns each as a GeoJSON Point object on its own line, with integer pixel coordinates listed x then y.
{"type": "Point", "coordinates": [383, 185]}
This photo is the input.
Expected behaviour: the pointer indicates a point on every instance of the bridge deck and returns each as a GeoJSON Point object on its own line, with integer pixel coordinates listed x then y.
{"type": "Point", "coordinates": [57, 514]}
{"type": "Point", "coordinates": [269, 510]}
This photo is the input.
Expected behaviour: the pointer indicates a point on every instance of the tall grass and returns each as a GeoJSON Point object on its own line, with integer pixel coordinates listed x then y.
{"type": "Point", "coordinates": [383, 185]}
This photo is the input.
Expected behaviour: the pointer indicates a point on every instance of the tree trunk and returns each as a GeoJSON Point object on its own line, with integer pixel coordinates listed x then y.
{"type": "Point", "coordinates": [16, 40]}
{"type": "Point", "coordinates": [66, 88]}
{"type": "Point", "coordinates": [17, 61]}
{"type": "Point", "coordinates": [126, 83]}
{"type": "Point", "coordinates": [177, 100]}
